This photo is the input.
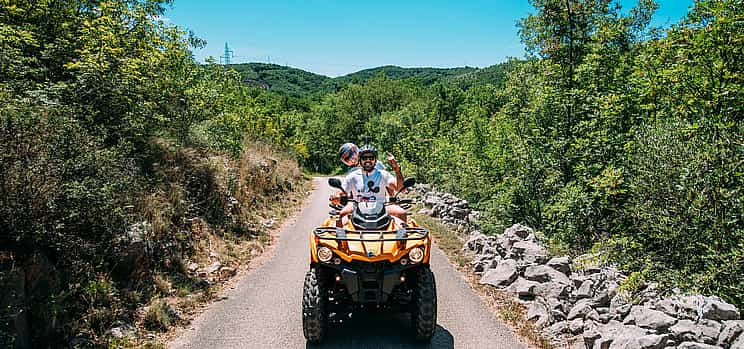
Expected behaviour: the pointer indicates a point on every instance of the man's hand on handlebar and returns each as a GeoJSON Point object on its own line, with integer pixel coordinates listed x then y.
{"type": "Point", "coordinates": [341, 199]}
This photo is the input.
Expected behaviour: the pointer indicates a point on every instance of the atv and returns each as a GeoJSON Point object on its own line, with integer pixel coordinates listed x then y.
{"type": "Point", "coordinates": [369, 260]}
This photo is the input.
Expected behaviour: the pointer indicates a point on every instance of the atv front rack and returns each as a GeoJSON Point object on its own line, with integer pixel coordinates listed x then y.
{"type": "Point", "coordinates": [340, 234]}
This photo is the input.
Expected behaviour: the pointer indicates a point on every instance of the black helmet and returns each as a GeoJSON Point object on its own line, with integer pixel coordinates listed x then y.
{"type": "Point", "coordinates": [368, 148]}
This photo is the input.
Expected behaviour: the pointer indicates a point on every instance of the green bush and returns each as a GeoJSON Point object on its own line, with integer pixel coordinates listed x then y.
{"type": "Point", "coordinates": [685, 210]}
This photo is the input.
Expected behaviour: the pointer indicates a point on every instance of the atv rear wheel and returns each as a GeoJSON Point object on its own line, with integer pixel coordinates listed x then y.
{"type": "Point", "coordinates": [314, 317]}
{"type": "Point", "coordinates": [424, 315]}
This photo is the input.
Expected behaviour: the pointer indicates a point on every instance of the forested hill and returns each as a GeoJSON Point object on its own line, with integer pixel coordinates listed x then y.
{"type": "Point", "coordinates": [298, 82]}
{"type": "Point", "coordinates": [283, 79]}
{"type": "Point", "coordinates": [426, 76]}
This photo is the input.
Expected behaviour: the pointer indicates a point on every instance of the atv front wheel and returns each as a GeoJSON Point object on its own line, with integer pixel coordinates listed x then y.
{"type": "Point", "coordinates": [314, 317]}
{"type": "Point", "coordinates": [424, 315]}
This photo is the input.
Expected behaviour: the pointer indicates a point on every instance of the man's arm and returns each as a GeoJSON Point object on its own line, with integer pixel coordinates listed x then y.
{"type": "Point", "coordinates": [398, 175]}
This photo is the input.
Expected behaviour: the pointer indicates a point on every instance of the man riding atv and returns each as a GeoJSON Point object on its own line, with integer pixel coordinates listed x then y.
{"type": "Point", "coordinates": [349, 154]}
{"type": "Point", "coordinates": [361, 257]}
{"type": "Point", "coordinates": [370, 184]}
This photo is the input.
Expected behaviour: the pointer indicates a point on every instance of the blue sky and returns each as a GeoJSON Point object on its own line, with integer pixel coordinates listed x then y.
{"type": "Point", "coordinates": [335, 38]}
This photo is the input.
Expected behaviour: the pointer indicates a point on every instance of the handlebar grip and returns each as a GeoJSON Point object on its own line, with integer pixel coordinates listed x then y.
{"type": "Point", "coordinates": [334, 212]}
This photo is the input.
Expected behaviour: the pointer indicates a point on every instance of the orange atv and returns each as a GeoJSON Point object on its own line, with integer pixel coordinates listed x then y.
{"type": "Point", "coordinates": [369, 260]}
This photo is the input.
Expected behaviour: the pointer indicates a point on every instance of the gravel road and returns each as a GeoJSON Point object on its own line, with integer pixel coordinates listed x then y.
{"type": "Point", "coordinates": [264, 309]}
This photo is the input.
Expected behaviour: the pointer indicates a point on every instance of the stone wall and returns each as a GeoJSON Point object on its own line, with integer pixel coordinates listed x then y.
{"type": "Point", "coordinates": [577, 303]}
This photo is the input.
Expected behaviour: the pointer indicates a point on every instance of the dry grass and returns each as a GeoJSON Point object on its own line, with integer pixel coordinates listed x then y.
{"type": "Point", "coordinates": [207, 208]}
{"type": "Point", "coordinates": [502, 303]}
{"type": "Point", "coordinates": [156, 316]}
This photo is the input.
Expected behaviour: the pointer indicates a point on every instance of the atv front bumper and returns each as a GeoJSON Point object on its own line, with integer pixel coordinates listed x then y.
{"type": "Point", "coordinates": [371, 282]}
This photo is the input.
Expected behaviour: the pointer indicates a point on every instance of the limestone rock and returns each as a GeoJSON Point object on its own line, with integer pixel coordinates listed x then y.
{"type": "Point", "coordinates": [621, 334]}
{"type": "Point", "coordinates": [731, 329]}
{"type": "Point", "coordinates": [603, 343]}
{"type": "Point", "coordinates": [695, 345]}
{"type": "Point", "coordinates": [553, 290]}
{"type": "Point", "coordinates": [620, 301]}
{"type": "Point", "coordinates": [630, 341]}
{"type": "Point", "coordinates": [530, 252]}
{"type": "Point", "coordinates": [538, 312]}
{"type": "Point", "coordinates": [544, 273]}
{"type": "Point", "coordinates": [518, 230]}
{"type": "Point", "coordinates": [432, 200]}
{"type": "Point", "coordinates": [604, 294]}
{"type": "Point", "coordinates": [561, 264]}
{"type": "Point", "coordinates": [477, 242]}
{"type": "Point", "coordinates": [576, 326]}
{"type": "Point", "coordinates": [585, 290]}
{"type": "Point", "coordinates": [685, 330]}
{"type": "Point", "coordinates": [590, 337]}
{"type": "Point", "coordinates": [668, 306]}
{"type": "Point", "coordinates": [715, 309]}
{"type": "Point", "coordinates": [557, 328]}
{"type": "Point", "coordinates": [738, 343]}
{"type": "Point", "coordinates": [523, 287]}
{"type": "Point", "coordinates": [651, 319]}
{"type": "Point", "coordinates": [688, 307]}
{"type": "Point", "coordinates": [709, 331]}
{"type": "Point", "coordinates": [501, 276]}
{"type": "Point", "coordinates": [580, 309]}
{"type": "Point", "coordinates": [214, 267]}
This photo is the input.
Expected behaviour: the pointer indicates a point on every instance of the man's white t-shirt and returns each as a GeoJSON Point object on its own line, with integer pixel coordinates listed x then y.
{"type": "Point", "coordinates": [357, 183]}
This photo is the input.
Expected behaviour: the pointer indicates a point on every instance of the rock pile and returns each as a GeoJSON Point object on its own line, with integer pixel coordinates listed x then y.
{"type": "Point", "coordinates": [452, 211]}
{"type": "Point", "coordinates": [578, 304]}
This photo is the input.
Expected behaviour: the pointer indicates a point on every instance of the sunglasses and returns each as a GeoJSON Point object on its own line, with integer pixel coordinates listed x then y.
{"type": "Point", "coordinates": [367, 158]}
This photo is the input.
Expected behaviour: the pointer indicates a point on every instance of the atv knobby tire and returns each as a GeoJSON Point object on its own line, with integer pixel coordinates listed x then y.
{"type": "Point", "coordinates": [424, 314]}
{"type": "Point", "coordinates": [314, 317]}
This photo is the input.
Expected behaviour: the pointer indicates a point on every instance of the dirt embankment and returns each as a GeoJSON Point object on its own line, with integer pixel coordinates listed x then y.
{"type": "Point", "coordinates": [196, 219]}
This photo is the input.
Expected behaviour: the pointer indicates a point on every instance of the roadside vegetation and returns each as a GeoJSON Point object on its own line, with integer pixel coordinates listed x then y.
{"type": "Point", "coordinates": [120, 167]}
{"type": "Point", "coordinates": [610, 136]}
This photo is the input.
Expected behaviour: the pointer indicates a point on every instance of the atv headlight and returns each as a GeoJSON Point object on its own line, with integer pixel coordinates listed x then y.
{"type": "Point", "coordinates": [416, 255]}
{"type": "Point", "coordinates": [324, 254]}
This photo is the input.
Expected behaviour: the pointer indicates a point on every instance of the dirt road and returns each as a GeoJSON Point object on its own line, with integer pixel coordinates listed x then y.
{"type": "Point", "coordinates": [264, 309]}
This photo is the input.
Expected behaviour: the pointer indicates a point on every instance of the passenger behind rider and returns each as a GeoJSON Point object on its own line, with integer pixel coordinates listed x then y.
{"type": "Point", "coordinates": [349, 154]}
{"type": "Point", "coordinates": [369, 183]}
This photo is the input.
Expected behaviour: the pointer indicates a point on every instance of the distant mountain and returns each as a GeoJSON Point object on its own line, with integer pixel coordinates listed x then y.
{"type": "Point", "coordinates": [427, 76]}
{"type": "Point", "coordinates": [300, 83]}
{"type": "Point", "coordinates": [284, 79]}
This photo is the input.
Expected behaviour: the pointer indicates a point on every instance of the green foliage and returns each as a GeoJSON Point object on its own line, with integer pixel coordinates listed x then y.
{"type": "Point", "coordinates": [108, 121]}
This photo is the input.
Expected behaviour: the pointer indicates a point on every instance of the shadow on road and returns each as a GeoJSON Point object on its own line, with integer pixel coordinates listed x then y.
{"type": "Point", "coordinates": [369, 330]}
